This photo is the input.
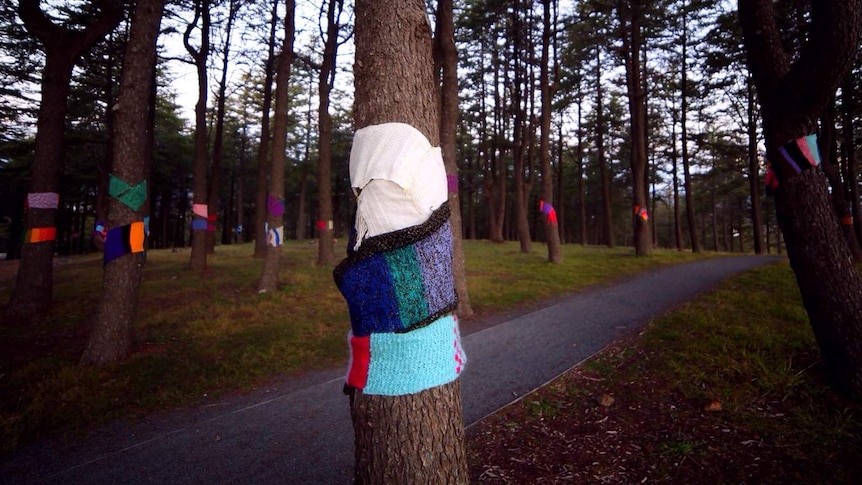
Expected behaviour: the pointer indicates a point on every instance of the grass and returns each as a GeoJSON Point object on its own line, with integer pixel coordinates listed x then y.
{"type": "Point", "coordinates": [209, 333]}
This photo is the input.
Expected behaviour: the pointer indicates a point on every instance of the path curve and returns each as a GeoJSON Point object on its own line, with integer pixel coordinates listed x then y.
{"type": "Point", "coordinates": [300, 432]}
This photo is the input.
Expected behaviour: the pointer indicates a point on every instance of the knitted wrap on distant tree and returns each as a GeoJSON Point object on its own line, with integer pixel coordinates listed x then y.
{"type": "Point", "coordinates": [398, 283]}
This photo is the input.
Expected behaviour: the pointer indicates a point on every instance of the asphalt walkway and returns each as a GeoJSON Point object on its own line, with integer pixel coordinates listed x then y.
{"type": "Point", "coordinates": [299, 431]}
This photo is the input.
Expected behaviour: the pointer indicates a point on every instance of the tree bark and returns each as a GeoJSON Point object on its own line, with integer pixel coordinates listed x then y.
{"type": "Point", "coordinates": [218, 139]}
{"type": "Point", "coordinates": [34, 284]}
{"type": "Point", "coordinates": [754, 171]}
{"type": "Point", "coordinates": [792, 96]}
{"type": "Point", "coordinates": [552, 233]}
{"type": "Point", "coordinates": [198, 257]}
{"type": "Point", "coordinates": [263, 147]}
{"type": "Point", "coordinates": [686, 163]}
{"type": "Point", "coordinates": [417, 438]}
{"type": "Point", "coordinates": [275, 205]}
{"type": "Point", "coordinates": [111, 337]}
{"type": "Point", "coordinates": [631, 16]}
{"type": "Point", "coordinates": [604, 171]}
{"type": "Point", "coordinates": [325, 251]}
{"type": "Point", "coordinates": [448, 55]}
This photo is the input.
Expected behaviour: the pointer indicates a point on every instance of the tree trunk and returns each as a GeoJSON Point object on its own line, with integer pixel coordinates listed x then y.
{"type": "Point", "coordinates": [218, 141]}
{"type": "Point", "coordinates": [851, 178]}
{"type": "Point", "coordinates": [33, 290]}
{"type": "Point", "coordinates": [686, 163]}
{"type": "Point", "coordinates": [552, 232]}
{"type": "Point", "coordinates": [111, 337]}
{"type": "Point", "coordinates": [325, 251]}
{"type": "Point", "coordinates": [754, 171]}
{"type": "Point", "coordinates": [792, 96]}
{"type": "Point", "coordinates": [677, 227]}
{"type": "Point", "coordinates": [445, 41]}
{"type": "Point", "coordinates": [275, 201]}
{"type": "Point", "coordinates": [200, 210]}
{"type": "Point", "coordinates": [604, 171]}
{"type": "Point", "coordinates": [829, 163]}
{"type": "Point", "coordinates": [521, 160]}
{"type": "Point", "coordinates": [260, 246]}
{"type": "Point", "coordinates": [630, 20]}
{"type": "Point", "coordinates": [427, 426]}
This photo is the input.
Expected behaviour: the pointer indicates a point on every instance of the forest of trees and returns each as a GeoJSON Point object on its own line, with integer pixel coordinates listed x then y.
{"type": "Point", "coordinates": [601, 122]}
{"type": "Point", "coordinates": [701, 194]}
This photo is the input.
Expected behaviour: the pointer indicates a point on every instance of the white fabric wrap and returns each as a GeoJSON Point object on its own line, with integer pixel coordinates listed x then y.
{"type": "Point", "coordinates": [399, 179]}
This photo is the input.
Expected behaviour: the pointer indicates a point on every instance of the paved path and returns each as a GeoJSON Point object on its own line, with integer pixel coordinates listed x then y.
{"type": "Point", "coordinates": [299, 432]}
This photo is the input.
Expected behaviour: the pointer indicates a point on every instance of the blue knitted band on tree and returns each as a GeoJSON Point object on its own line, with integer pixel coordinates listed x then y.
{"type": "Point", "coordinates": [401, 280]}
{"type": "Point", "coordinates": [396, 364]}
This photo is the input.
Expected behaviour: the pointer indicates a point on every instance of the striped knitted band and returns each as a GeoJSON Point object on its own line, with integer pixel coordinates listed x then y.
{"type": "Point", "coordinates": [547, 209]}
{"type": "Point", "coordinates": [275, 236]}
{"type": "Point", "coordinates": [400, 280]}
{"type": "Point", "coordinates": [396, 364]}
{"type": "Point", "coordinates": [211, 222]}
{"type": "Point", "coordinates": [795, 157]}
{"type": "Point", "coordinates": [124, 240]}
{"type": "Point", "coordinates": [40, 234]}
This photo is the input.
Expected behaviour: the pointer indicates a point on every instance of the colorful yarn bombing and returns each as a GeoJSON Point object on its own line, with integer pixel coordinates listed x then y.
{"type": "Point", "coordinates": [400, 293]}
{"type": "Point", "coordinates": [796, 156]}
{"type": "Point", "coordinates": [400, 280]}
{"type": "Point", "coordinates": [211, 222]}
{"type": "Point", "coordinates": [41, 234]}
{"type": "Point", "coordinates": [642, 213]}
{"type": "Point", "coordinates": [124, 240]}
{"type": "Point", "coordinates": [275, 236]}
{"type": "Point", "coordinates": [200, 210]}
{"type": "Point", "coordinates": [395, 364]}
{"type": "Point", "coordinates": [43, 200]}
{"type": "Point", "coordinates": [133, 196]}
{"type": "Point", "coordinates": [452, 182]}
{"type": "Point", "coordinates": [275, 206]}
{"type": "Point", "coordinates": [199, 224]}
{"type": "Point", "coordinates": [548, 210]}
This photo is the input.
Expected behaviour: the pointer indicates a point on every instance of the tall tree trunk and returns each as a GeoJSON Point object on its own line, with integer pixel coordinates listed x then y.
{"type": "Point", "coordinates": [851, 178]}
{"type": "Point", "coordinates": [829, 163]}
{"type": "Point", "coordinates": [521, 160]}
{"type": "Point", "coordinates": [218, 141]}
{"type": "Point", "coordinates": [111, 336]}
{"type": "Point", "coordinates": [239, 230]}
{"type": "Point", "coordinates": [275, 201]}
{"type": "Point", "coordinates": [200, 212]}
{"type": "Point", "coordinates": [427, 426]}
{"type": "Point", "coordinates": [754, 170]}
{"type": "Point", "coordinates": [604, 171]}
{"type": "Point", "coordinates": [630, 20]}
{"type": "Point", "coordinates": [260, 246]}
{"type": "Point", "coordinates": [448, 55]}
{"type": "Point", "coordinates": [677, 226]}
{"type": "Point", "coordinates": [686, 163]}
{"type": "Point", "coordinates": [33, 290]}
{"type": "Point", "coordinates": [582, 199]}
{"type": "Point", "coordinates": [552, 232]}
{"type": "Point", "coordinates": [792, 96]}
{"type": "Point", "coordinates": [325, 251]}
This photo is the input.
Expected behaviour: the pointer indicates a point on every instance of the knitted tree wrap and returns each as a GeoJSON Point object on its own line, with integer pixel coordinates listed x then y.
{"type": "Point", "coordinates": [402, 280]}
{"type": "Point", "coordinates": [395, 364]}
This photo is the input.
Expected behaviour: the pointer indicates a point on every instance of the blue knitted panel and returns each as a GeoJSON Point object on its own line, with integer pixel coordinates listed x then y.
{"type": "Point", "coordinates": [407, 363]}
{"type": "Point", "coordinates": [371, 297]}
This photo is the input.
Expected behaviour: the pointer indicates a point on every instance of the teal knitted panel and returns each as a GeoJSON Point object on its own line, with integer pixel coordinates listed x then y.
{"type": "Point", "coordinates": [407, 363]}
{"type": "Point", "coordinates": [407, 282]}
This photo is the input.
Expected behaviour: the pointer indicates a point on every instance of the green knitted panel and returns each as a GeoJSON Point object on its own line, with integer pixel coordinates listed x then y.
{"type": "Point", "coordinates": [407, 282]}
